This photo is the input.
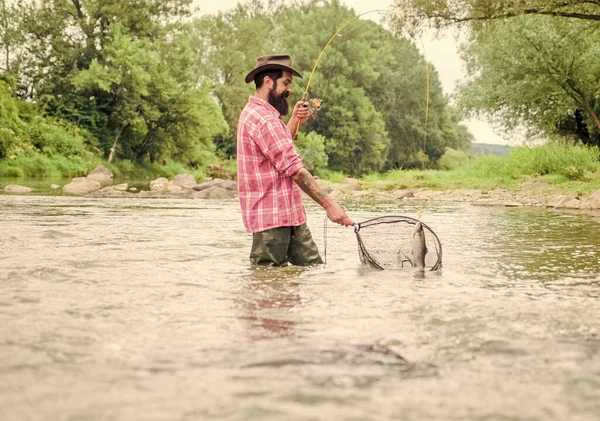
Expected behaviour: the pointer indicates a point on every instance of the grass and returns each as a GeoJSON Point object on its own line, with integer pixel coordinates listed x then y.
{"type": "Point", "coordinates": [568, 168]}
{"type": "Point", "coordinates": [35, 165]}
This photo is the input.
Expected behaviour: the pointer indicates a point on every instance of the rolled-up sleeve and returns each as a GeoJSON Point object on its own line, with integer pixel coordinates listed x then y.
{"type": "Point", "coordinates": [276, 144]}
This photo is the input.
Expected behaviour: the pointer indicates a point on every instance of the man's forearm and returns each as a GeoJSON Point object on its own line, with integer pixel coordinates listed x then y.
{"type": "Point", "coordinates": [309, 185]}
{"type": "Point", "coordinates": [292, 126]}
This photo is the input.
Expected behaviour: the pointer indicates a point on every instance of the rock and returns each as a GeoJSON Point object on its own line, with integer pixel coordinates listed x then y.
{"type": "Point", "coordinates": [352, 184]}
{"type": "Point", "coordinates": [101, 175]}
{"type": "Point", "coordinates": [559, 201]}
{"type": "Point", "coordinates": [184, 180]}
{"type": "Point", "coordinates": [15, 188]}
{"type": "Point", "coordinates": [591, 202]}
{"type": "Point", "coordinates": [132, 189]}
{"type": "Point", "coordinates": [402, 194]}
{"type": "Point", "coordinates": [325, 185]}
{"type": "Point", "coordinates": [218, 171]}
{"type": "Point", "coordinates": [110, 191]}
{"type": "Point", "coordinates": [81, 185]}
{"type": "Point", "coordinates": [54, 186]}
{"type": "Point", "coordinates": [176, 189]}
{"type": "Point", "coordinates": [159, 185]}
{"type": "Point", "coordinates": [121, 187]}
{"type": "Point", "coordinates": [214, 193]}
{"type": "Point", "coordinates": [217, 182]}
{"type": "Point", "coordinates": [337, 195]}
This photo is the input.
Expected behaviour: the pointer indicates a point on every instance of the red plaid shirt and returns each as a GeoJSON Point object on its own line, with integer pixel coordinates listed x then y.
{"type": "Point", "coordinates": [266, 161]}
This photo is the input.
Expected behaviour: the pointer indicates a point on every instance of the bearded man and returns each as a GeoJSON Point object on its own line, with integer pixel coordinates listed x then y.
{"type": "Point", "coordinates": [271, 176]}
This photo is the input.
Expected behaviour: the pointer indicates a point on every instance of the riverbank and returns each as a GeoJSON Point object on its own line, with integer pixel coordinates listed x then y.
{"type": "Point", "coordinates": [530, 193]}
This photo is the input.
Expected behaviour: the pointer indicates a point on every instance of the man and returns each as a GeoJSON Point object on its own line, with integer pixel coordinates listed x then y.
{"type": "Point", "coordinates": [271, 176]}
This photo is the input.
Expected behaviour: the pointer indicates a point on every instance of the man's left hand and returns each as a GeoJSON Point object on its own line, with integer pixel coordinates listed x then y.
{"type": "Point", "coordinates": [301, 111]}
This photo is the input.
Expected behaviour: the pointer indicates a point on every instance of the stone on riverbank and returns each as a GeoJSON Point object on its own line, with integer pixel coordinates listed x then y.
{"type": "Point", "coordinates": [159, 185]}
{"type": "Point", "coordinates": [184, 180]}
{"type": "Point", "coordinates": [15, 188]}
{"type": "Point", "coordinates": [563, 201]}
{"type": "Point", "coordinates": [214, 192]}
{"type": "Point", "coordinates": [592, 202]}
{"type": "Point", "coordinates": [217, 182]}
{"type": "Point", "coordinates": [81, 185]}
{"type": "Point", "coordinates": [352, 184]}
{"type": "Point", "coordinates": [102, 175]}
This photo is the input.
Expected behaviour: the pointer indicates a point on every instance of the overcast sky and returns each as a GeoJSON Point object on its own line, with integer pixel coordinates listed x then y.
{"type": "Point", "coordinates": [442, 53]}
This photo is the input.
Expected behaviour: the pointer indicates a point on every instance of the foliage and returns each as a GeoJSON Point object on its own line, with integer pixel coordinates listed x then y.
{"type": "Point", "coordinates": [89, 78]}
{"type": "Point", "coordinates": [452, 159]}
{"type": "Point", "coordinates": [311, 147]}
{"type": "Point", "coordinates": [537, 71]}
{"type": "Point", "coordinates": [490, 149]}
{"type": "Point", "coordinates": [556, 164]}
{"type": "Point", "coordinates": [439, 13]}
{"type": "Point", "coordinates": [533, 64]}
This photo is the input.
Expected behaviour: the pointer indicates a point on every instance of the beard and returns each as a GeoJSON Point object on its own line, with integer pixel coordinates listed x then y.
{"type": "Point", "coordinates": [279, 101]}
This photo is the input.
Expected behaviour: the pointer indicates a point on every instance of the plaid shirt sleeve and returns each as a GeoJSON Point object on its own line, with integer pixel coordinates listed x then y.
{"type": "Point", "coordinates": [275, 142]}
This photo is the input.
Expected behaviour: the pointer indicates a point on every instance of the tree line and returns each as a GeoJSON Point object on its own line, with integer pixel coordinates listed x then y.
{"type": "Point", "coordinates": [150, 81]}
{"type": "Point", "coordinates": [532, 64]}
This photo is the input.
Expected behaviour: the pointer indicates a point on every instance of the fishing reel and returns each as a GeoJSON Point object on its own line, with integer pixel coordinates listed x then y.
{"type": "Point", "coordinates": [314, 105]}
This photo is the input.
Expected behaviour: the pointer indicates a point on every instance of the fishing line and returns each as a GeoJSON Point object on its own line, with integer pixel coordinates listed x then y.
{"type": "Point", "coordinates": [427, 89]}
{"type": "Point", "coordinates": [365, 255]}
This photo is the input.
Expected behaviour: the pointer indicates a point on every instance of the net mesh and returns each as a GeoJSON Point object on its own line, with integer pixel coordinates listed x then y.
{"type": "Point", "coordinates": [386, 243]}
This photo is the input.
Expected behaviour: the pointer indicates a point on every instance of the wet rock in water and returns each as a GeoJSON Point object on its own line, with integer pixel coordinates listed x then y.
{"type": "Point", "coordinates": [214, 192]}
{"type": "Point", "coordinates": [54, 186]}
{"type": "Point", "coordinates": [217, 182]}
{"type": "Point", "coordinates": [184, 180]}
{"type": "Point", "coordinates": [15, 188]}
{"type": "Point", "coordinates": [101, 175]}
{"type": "Point", "coordinates": [110, 191]}
{"type": "Point", "coordinates": [121, 187]}
{"type": "Point", "coordinates": [159, 185]}
{"type": "Point", "coordinates": [81, 185]}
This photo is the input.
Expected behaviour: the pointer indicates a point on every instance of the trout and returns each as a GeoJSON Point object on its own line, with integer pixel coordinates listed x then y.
{"type": "Point", "coordinates": [419, 248]}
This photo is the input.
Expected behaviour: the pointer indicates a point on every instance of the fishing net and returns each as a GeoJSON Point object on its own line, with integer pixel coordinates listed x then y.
{"type": "Point", "coordinates": [386, 243]}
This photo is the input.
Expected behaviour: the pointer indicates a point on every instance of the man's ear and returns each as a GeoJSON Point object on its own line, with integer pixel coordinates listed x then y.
{"type": "Point", "coordinates": [269, 82]}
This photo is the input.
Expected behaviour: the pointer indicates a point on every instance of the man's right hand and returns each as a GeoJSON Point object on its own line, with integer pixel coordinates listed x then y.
{"type": "Point", "coordinates": [336, 214]}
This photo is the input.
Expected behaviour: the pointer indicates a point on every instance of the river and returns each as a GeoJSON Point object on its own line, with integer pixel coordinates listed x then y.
{"type": "Point", "coordinates": [141, 309]}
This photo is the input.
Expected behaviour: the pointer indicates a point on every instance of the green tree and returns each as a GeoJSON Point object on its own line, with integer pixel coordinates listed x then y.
{"type": "Point", "coordinates": [420, 12]}
{"type": "Point", "coordinates": [311, 146]}
{"type": "Point", "coordinates": [234, 39]}
{"type": "Point", "coordinates": [537, 71]}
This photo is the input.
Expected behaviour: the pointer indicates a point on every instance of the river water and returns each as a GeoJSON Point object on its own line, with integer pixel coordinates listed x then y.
{"type": "Point", "coordinates": [140, 309]}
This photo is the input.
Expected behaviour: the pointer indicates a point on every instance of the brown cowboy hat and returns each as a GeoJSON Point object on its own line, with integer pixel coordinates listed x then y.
{"type": "Point", "coordinates": [272, 62]}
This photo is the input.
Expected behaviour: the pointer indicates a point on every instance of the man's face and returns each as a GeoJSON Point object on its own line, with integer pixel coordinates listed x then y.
{"type": "Point", "coordinates": [279, 92]}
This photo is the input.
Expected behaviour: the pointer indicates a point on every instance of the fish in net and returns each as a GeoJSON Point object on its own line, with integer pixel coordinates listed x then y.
{"type": "Point", "coordinates": [395, 242]}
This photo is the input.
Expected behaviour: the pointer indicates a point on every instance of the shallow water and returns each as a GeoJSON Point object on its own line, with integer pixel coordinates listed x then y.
{"type": "Point", "coordinates": [140, 309]}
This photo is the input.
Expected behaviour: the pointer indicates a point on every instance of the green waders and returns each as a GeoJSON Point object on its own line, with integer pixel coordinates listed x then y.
{"type": "Point", "coordinates": [282, 245]}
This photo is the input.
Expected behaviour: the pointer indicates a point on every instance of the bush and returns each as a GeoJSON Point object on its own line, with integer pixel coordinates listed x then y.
{"type": "Point", "coordinates": [312, 149]}
{"type": "Point", "coordinates": [7, 170]}
{"type": "Point", "coordinates": [55, 137]}
{"type": "Point", "coordinates": [452, 159]}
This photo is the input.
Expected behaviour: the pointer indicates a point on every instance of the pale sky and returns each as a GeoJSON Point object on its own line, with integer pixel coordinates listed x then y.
{"type": "Point", "coordinates": [442, 53]}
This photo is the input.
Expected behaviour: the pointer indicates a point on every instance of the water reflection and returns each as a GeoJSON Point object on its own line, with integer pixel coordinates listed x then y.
{"type": "Point", "coordinates": [268, 299]}
{"type": "Point", "coordinates": [531, 246]}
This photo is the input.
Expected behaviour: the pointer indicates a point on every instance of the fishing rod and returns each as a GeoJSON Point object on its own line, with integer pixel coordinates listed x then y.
{"type": "Point", "coordinates": [315, 103]}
